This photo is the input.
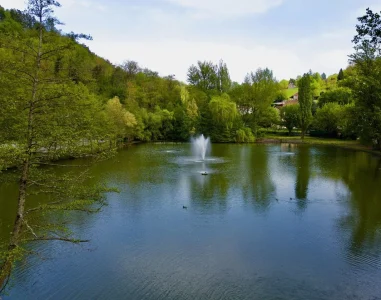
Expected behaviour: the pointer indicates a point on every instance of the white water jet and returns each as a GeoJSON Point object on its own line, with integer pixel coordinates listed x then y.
{"type": "Point", "coordinates": [200, 146]}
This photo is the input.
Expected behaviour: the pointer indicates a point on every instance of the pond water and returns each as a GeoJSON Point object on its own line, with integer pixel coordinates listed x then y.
{"type": "Point", "coordinates": [267, 222]}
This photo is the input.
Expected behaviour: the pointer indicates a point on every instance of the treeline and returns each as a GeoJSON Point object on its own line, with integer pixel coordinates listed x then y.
{"type": "Point", "coordinates": [127, 102]}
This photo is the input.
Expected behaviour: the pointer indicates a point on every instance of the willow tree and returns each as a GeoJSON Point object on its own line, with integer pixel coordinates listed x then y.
{"type": "Point", "coordinates": [305, 103]}
{"type": "Point", "coordinates": [45, 115]}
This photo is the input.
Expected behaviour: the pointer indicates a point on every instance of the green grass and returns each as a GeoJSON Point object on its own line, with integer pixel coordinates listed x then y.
{"type": "Point", "coordinates": [290, 92]}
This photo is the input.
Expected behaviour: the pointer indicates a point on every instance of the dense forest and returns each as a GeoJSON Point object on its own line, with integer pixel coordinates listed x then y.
{"type": "Point", "coordinates": [58, 99]}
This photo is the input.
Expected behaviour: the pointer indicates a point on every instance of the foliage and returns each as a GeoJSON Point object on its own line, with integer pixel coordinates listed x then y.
{"type": "Point", "coordinates": [244, 135]}
{"type": "Point", "coordinates": [223, 110]}
{"type": "Point", "coordinates": [208, 76]}
{"type": "Point", "coordinates": [290, 116]}
{"type": "Point", "coordinates": [305, 102]}
{"type": "Point", "coordinates": [328, 118]}
{"type": "Point", "coordinates": [340, 76]}
{"type": "Point", "coordinates": [256, 95]}
{"type": "Point", "coordinates": [339, 95]}
{"type": "Point", "coordinates": [367, 81]}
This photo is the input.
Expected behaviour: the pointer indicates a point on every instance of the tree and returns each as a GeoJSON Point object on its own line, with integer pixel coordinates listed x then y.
{"type": "Point", "coordinates": [223, 109]}
{"type": "Point", "coordinates": [257, 94]}
{"type": "Point", "coordinates": [131, 68]}
{"type": "Point", "coordinates": [328, 117]}
{"type": "Point", "coordinates": [292, 81]}
{"type": "Point", "coordinates": [367, 82]}
{"type": "Point", "coordinates": [120, 121]}
{"type": "Point", "coordinates": [339, 95]}
{"type": "Point", "coordinates": [324, 76]}
{"type": "Point", "coordinates": [46, 114]}
{"type": "Point", "coordinates": [305, 102]}
{"type": "Point", "coordinates": [290, 116]}
{"type": "Point", "coordinates": [224, 82]}
{"type": "Point", "coordinates": [283, 84]}
{"type": "Point", "coordinates": [341, 75]}
{"type": "Point", "coordinates": [204, 76]}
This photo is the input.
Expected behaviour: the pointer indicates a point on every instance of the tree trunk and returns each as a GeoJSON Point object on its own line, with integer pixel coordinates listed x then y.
{"type": "Point", "coordinates": [6, 268]}
{"type": "Point", "coordinates": [21, 205]}
{"type": "Point", "coordinates": [303, 133]}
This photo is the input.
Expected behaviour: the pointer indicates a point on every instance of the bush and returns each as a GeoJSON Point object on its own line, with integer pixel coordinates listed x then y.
{"type": "Point", "coordinates": [244, 135]}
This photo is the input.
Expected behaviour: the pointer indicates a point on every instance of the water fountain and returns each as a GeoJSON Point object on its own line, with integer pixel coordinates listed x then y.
{"type": "Point", "coordinates": [200, 146]}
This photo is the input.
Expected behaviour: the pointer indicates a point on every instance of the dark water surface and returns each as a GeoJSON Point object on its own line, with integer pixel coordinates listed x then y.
{"type": "Point", "coordinates": [268, 222]}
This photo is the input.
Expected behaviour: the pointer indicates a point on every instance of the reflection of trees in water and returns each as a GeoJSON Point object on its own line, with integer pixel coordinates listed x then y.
{"type": "Point", "coordinates": [209, 192]}
{"type": "Point", "coordinates": [257, 185]}
{"type": "Point", "coordinates": [302, 176]}
{"type": "Point", "coordinates": [362, 175]}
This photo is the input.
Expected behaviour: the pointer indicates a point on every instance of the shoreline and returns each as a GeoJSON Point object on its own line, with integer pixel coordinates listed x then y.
{"type": "Point", "coordinates": [344, 144]}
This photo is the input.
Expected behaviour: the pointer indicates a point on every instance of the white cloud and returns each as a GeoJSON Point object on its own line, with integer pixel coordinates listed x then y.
{"type": "Point", "coordinates": [18, 4]}
{"type": "Point", "coordinates": [227, 8]}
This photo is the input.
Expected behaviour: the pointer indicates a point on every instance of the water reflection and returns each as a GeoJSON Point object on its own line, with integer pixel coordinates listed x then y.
{"type": "Point", "coordinates": [303, 172]}
{"type": "Point", "coordinates": [239, 238]}
{"type": "Point", "coordinates": [258, 188]}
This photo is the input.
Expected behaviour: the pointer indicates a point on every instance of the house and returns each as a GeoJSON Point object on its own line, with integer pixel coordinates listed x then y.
{"type": "Point", "coordinates": [291, 85]}
{"type": "Point", "coordinates": [292, 101]}
{"type": "Point", "coordinates": [295, 97]}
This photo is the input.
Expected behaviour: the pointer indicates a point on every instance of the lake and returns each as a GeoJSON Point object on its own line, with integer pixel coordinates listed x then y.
{"type": "Point", "coordinates": [267, 222]}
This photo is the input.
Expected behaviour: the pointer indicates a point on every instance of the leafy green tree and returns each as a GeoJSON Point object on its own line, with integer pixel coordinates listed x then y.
{"type": "Point", "coordinates": [335, 120]}
{"type": "Point", "coordinates": [256, 95]}
{"type": "Point", "coordinates": [305, 103]}
{"type": "Point", "coordinates": [224, 82]}
{"type": "Point", "coordinates": [339, 95]}
{"type": "Point", "coordinates": [46, 114]}
{"type": "Point", "coordinates": [224, 111]}
{"type": "Point", "coordinates": [328, 117]}
{"type": "Point", "coordinates": [367, 82]}
{"type": "Point", "coordinates": [269, 118]}
{"type": "Point", "coordinates": [120, 121]}
{"type": "Point", "coordinates": [204, 76]}
{"type": "Point", "coordinates": [290, 116]}
{"type": "Point", "coordinates": [283, 84]}
{"type": "Point", "coordinates": [244, 135]}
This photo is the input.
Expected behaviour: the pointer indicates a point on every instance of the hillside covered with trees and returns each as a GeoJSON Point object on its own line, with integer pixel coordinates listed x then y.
{"type": "Point", "coordinates": [119, 103]}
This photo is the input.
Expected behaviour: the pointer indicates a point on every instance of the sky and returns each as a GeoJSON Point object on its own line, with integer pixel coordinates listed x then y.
{"type": "Point", "coordinates": [289, 37]}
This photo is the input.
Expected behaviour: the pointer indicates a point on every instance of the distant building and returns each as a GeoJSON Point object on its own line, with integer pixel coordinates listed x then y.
{"type": "Point", "coordinates": [293, 100]}
{"type": "Point", "coordinates": [295, 97]}
{"type": "Point", "coordinates": [291, 85]}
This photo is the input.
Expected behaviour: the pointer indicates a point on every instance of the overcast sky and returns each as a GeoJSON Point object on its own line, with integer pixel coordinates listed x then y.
{"type": "Point", "coordinates": [288, 36]}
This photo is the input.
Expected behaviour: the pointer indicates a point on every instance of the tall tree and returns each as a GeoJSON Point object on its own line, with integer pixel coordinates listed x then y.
{"type": "Point", "coordinates": [224, 82]}
{"type": "Point", "coordinates": [45, 114]}
{"type": "Point", "coordinates": [367, 82]}
{"type": "Point", "coordinates": [341, 75]}
{"type": "Point", "coordinates": [204, 76]}
{"type": "Point", "coordinates": [290, 115]}
{"type": "Point", "coordinates": [258, 93]}
{"type": "Point", "coordinates": [305, 102]}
